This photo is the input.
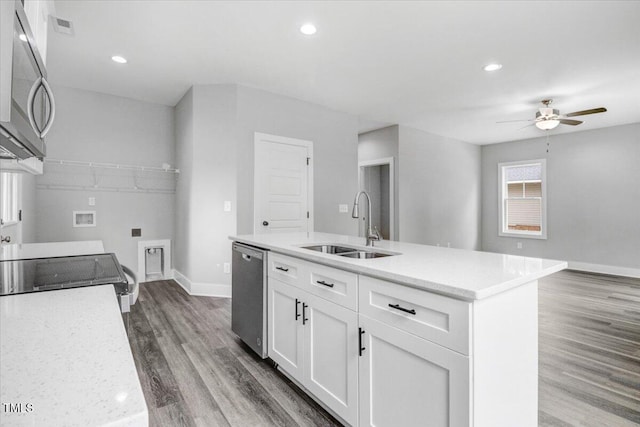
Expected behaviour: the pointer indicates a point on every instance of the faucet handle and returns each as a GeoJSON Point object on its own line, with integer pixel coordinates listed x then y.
{"type": "Point", "coordinates": [376, 234]}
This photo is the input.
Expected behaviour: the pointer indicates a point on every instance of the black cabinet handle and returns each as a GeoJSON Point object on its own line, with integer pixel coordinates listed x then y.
{"type": "Point", "coordinates": [265, 223]}
{"type": "Point", "coordinates": [360, 347]}
{"type": "Point", "coordinates": [297, 304]}
{"type": "Point", "coordinates": [322, 282]}
{"type": "Point", "coordinates": [406, 310]}
{"type": "Point", "coordinates": [304, 313]}
{"type": "Point", "coordinates": [282, 269]}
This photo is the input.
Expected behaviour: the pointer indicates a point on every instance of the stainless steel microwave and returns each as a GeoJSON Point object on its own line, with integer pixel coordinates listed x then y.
{"type": "Point", "coordinates": [27, 107]}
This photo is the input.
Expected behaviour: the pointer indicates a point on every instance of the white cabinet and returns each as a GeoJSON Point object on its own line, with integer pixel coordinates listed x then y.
{"type": "Point", "coordinates": [427, 359]}
{"type": "Point", "coordinates": [285, 332]}
{"type": "Point", "coordinates": [409, 381]}
{"type": "Point", "coordinates": [315, 341]}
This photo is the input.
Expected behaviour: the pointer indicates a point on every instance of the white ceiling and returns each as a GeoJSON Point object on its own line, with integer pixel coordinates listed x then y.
{"type": "Point", "coordinates": [413, 63]}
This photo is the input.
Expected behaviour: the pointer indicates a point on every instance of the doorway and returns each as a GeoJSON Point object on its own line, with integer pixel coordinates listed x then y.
{"type": "Point", "coordinates": [376, 177]}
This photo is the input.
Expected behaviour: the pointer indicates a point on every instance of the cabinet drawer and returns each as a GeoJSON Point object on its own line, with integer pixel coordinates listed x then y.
{"type": "Point", "coordinates": [332, 284]}
{"type": "Point", "coordinates": [286, 269]}
{"type": "Point", "coordinates": [440, 319]}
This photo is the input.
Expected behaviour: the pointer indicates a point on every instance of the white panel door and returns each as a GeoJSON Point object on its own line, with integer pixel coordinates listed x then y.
{"type": "Point", "coordinates": [282, 186]}
{"type": "Point", "coordinates": [286, 336]}
{"type": "Point", "coordinates": [331, 362]}
{"type": "Point", "coordinates": [409, 381]}
{"type": "Point", "coordinates": [10, 207]}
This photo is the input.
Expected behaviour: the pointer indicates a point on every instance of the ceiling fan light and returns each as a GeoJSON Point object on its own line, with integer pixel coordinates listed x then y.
{"type": "Point", "coordinates": [547, 124]}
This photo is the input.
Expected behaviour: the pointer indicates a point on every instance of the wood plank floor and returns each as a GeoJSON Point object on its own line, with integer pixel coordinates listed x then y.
{"type": "Point", "coordinates": [195, 372]}
{"type": "Point", "coordinates": [589, 350]}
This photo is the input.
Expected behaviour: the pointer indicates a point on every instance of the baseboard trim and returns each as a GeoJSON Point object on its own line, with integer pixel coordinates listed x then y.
{"type": "Point", "coordinates": [201, 289]}
{"type": "Point", "coordinates": [605, 269]}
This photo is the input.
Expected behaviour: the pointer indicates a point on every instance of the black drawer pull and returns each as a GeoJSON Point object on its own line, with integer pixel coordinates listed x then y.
{"type": "Point", "coordinates": [360, 347]}
{"type": "Point", "coordinates": [406, 310]}
{"type": "Point", "coordinates": [297, 304]}
{"type": "Point", "coordinates": [304, 313]}
{"type": "Point", "coordinates": [322, 282]}
{"type": "Point", "coordinates": [282, 269]}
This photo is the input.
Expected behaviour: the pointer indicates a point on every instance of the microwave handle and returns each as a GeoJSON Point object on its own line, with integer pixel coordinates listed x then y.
{"type": "Point", "coordinates": [30, 103]}
{"type": "Point", "coordinates": [52, 109]}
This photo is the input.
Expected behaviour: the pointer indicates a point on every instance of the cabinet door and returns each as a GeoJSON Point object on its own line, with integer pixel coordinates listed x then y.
{"type": "Point", "coordinates": [409, 381]}
{"type": "Point", "coordinates": [331, 360]}
{"type": "Point", "coordinates": [286, 336]}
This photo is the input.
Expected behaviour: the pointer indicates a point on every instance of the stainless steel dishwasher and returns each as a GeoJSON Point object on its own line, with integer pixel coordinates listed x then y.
{"type": "Point", "coordinates": [249, 296]}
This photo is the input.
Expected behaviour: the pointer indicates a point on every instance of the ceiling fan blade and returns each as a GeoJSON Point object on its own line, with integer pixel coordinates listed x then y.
{"type": "Point", "coordinates": [585, 112]}
{"type": "Point", "coordinates": [513, 121]}
{"type": "Point", "coordinates": [527, 126]}
{"type": "Point", "coordinates": [570, 122]}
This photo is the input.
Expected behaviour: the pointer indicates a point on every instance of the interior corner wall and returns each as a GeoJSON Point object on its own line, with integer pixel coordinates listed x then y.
{"type": "Point", "coordinates": [206, 155]}
{"type": "Point", "coordinates": [379, 144]}
{"type": "Point", "coordinates": [29, 208]}
{"type": "Point", "coordinates": [439, 194]}
{"type": "Point", "coordinates": [96, 127]}
{"type": "Point", "coordinates": [184, 162]}
{"type": "Point", "coordinates": [593, 194]}
{"type": "Point", "coordinates": [335, 154]}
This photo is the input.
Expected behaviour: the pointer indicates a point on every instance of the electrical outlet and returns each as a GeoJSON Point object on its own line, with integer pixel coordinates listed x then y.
{"type": "Point", "coordinates": [227, 267]}
{"type": "Point", "coordinates": [343, 208]}
{"type": "Point", "coordinates": [92, 201]}
{"type": "Point", "coordinates": [227, 206]}
{"type": "Point", "coordinates": [519, 245]}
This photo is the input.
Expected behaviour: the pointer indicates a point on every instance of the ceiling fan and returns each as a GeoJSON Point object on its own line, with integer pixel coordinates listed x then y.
{"type": "Point", "coordinates": [548, 118]}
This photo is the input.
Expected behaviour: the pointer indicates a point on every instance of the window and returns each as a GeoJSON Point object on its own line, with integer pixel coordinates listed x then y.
{"type": "Point", "coordinates": [523, 205]}
{"type": "Point", "coordinates": [9, 197]}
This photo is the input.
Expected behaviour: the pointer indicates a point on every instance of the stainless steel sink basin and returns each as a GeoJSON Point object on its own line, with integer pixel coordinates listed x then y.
{"type": "Point", "coordinates": [347, 251]}
{"type": "Point", "coordinates": [364, 255]}
{"type": "Point", "coordinates": [330, 249]}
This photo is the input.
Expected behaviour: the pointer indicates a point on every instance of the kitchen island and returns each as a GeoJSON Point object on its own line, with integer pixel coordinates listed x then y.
{"type": "Point", "coordinates": [423, 336]}
{"type": "Point", "coordinates": [65, 360]}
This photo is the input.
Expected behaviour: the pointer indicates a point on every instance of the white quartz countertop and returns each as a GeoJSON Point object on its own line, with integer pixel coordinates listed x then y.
{"type": "Point", "coordinates": [459, 273]}
{"type": "Point", "coordinates": [52, 249]}
{"type": "Point", "coordinates": [66, 353]}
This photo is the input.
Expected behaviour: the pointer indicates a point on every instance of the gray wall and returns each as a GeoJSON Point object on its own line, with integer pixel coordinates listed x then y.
{"type": "Point", "coordinates": [439, 190]}
{"type": "Point", "coordinates": [184, 118]}
{"type": "Point", "coordinates": [205, 144]}
{"type": "Point", "coordinates": [335, 151]}
{"type": "Point", "coordinates": [215, 126]}
{"type": "Point", "coordinates": [29, 208]}
{"type": "Point", "coordinates": [378, 144]}
{"type": "Point", "coordinates": [593, 195]}
{"type": "Point", "coordinates": [91, 126]}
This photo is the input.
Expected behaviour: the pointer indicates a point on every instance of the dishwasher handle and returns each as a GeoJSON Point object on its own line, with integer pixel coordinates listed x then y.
{"type": "Point", "coordinates": [247, 252]}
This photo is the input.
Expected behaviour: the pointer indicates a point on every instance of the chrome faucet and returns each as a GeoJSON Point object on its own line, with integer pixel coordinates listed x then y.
{"type": "Point", "coordinates": [371, 235]}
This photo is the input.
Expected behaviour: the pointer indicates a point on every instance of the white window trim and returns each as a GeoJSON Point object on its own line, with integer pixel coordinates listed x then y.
{"type": "Point", "coordinates": [502, 191]}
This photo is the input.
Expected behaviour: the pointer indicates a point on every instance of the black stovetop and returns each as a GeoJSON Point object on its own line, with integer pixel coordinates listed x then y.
{"type": "Point", "coordinates": [43, 274]}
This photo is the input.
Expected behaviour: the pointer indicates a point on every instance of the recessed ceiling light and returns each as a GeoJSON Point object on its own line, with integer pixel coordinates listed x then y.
{"type": "Point", "coordinates": [492, 67]}
{"type": "Point", "coordinates": [308, 29]}
{"type": "Point", "coordinates": [119, 59]}
{"type": "Point", "coordinates": [23, 37]}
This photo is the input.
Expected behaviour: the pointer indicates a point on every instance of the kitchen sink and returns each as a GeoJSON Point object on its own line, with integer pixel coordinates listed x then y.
{"type": "Point", "coordinates": [330, 249]}
{"type": "Point", "coordinates": [365, 255]}
{"type": "Point", "coordinates": [348, 252]}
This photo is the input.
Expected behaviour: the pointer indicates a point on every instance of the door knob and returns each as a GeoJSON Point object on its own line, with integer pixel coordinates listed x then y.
{"type": "Point", "coordinates": [265, 223]}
